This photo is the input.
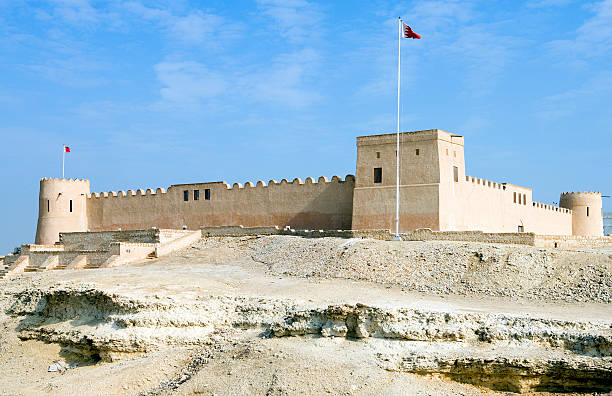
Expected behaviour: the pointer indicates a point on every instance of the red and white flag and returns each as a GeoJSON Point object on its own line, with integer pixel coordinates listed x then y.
{"type": "Point", "coordinates": [408, 33]}
{"type": "Point", "coordinates": [66, 149]}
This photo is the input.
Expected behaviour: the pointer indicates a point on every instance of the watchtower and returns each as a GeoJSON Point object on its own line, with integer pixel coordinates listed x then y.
{"type": "Point", "coordinates": [61, 208]}
{"type": "Point", "coordinates": [587, 219]}
{"type": "Point", "coordinates": [431, 164]}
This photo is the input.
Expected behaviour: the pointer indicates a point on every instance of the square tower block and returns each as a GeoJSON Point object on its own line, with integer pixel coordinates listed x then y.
{"type": "Point", "coordinates": [431, 163]}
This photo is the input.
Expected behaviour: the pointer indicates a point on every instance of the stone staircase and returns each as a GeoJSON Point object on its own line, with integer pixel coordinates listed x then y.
{"type": "Point", "coordinates": [93, 250]}
{"type": "Point", "coordinates": [13, 265]}
{"type": "Point", "coordinates": [3, 270]}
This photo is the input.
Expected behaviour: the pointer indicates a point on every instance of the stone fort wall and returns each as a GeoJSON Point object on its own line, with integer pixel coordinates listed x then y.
{"type": "Point", "coordinates": [305, 204]}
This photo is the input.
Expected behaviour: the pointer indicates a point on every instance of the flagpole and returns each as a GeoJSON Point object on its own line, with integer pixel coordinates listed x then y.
{"type": "Point", "coordinates": [63, 158]}
{"type": "Point", "coordinates": [397, 178]}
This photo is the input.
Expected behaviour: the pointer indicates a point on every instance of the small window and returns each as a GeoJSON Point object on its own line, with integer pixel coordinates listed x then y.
{"type": "Point", "coordinates": [71, 206]}
{"type": "Point", "coordinates": [378, 154]}
{"type": "Point", "coordinates": [514, 197]}
{"type": "Point", "coordinates": [417, 151]}
{"type": "Point", "coordinates": [446, 151]}
{"type": "Point", "coordinates": [524, 199]}
{"type": "Point", "coordinates": [587, 211]}
{"type": "Point", "coordinates": [207, 194]}
{"type": "Point", "coordinates": [456, 174]}
{"type": "Point", "coordinates": [520, 228]}
{"type": "Point", "coordinates": [47, 205]}
{"type": "Point", "coordinates": [196, 195]}
{"type": "Point", "coordinates": [377, 175]}
{"type": "Point", "coordinates": [186, 195]}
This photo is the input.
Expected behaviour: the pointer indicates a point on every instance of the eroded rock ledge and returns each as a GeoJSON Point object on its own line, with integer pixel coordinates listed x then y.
{"type": "Point", "coordinates": [501, 351]}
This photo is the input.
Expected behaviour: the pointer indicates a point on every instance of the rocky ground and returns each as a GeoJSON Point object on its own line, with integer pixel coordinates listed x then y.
{"type": "Point", "coordinates": [281, 315]}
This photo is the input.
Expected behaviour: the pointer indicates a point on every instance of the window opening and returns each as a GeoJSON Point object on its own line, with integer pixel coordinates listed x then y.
{"type": "Point", "coordinates": [417, 151]}
{"type": "Point", "coordinates": [520, 228]}
{"type": "Point", "coordinates": [524, 199]}
{"type": "Point", "coordinates": [196, 195]}
{"type": "Point", "coordinates": [456, 174]}
{"type": "Point", "coordinates": [71, 206]}
{"type": "Point", "coordinates": [207, 194]}
{"type": "Point", "coordinates": [515, 197]}
{"type": "Point", "coordinates": [377, 175]}
{"type": "Point", "coordinates": [186, 195]}
{"type": "Point", "coordinates": [587, 210]}
{"type": "Point", "coordinates": [378, 154]}
{"type": "Point", "coordinates": [47, 205]}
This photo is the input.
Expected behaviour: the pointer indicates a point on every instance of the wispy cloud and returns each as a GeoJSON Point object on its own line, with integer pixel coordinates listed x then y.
{"type": "Point", "coordinates": [188, 82]}
{"type": "Point", "coordinates": [295, 20]}
{"type": "Point", "coordinates": [483, 56]}
{"type": "Point", "coordinates": [547, 3]}
{"type": "Point", "coordinates": [195, 27]}
{"type": "Point", "coordinates": [284, 81]}
{"type": "Point", "coordinates": [567, 103]}
{"type": "Point", "coordinates": [74, 71]}
{"type": "Point", "coordinates": [591, 39]}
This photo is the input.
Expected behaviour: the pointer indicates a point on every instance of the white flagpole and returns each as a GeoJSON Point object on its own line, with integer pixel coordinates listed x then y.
{"type": "Point", "coordinates": [63, 158]}
{"type": "Point", "coordinates": [397, 178]}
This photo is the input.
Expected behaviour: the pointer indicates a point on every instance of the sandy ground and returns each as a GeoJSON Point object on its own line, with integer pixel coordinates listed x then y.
{"type": "Point", "coordinates": [242, 360]}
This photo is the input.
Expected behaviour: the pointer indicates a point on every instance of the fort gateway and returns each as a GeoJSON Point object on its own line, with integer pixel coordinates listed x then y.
{"type": "Point", "coordinates": [434, 189]}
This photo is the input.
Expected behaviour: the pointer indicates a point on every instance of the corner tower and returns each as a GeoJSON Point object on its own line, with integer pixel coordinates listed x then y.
{"type": "Point", "coordinates": [587, 219]}
{"type": "Point", "coordinates": [61, 208]}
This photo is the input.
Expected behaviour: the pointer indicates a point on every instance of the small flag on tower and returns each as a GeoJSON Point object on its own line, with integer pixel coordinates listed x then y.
{"type": "Point", "coordinates": [66, 149]}
{"type": "Point", "coordinates": [408, 33]}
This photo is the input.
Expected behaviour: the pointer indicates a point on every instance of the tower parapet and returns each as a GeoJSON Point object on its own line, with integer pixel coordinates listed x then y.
{"type": "Point", "coordinates": [61, 208]}
{"type": "Point", "coordinates": [586, 206]}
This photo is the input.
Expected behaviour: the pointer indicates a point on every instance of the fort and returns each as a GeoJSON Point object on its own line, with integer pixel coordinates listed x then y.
{"type": "Point", "coordinates": [435, 194]}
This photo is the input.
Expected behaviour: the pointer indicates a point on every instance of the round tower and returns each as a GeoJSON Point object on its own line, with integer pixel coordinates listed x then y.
{"type": "Point", "coordinates": [587, 219]}
{"type": "Point", "coordinates": [61, 208]}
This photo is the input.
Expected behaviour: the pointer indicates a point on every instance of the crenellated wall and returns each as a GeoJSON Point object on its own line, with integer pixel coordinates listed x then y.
{"type": "Point", "coordinates": [434, 190]}
{"type": "Point", "coordinates": [502, 207]}
{"type": "Point", "coordinates": [308, 204]}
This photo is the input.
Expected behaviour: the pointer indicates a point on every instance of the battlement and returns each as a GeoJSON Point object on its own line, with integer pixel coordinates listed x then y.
{"type": "Point", "coordinates": [586, 193]}
{"type": "Point", "coordinates": [296, 181]}
{"type": "Point", "coordinates": [485, 183]}
{"type": "Point", "coordinates": [322, 180]}
{"type": "Point", "coordinates": [407, 137]}
{"type": "Point", "coordinates": [63, 180]}
{"type": "Point", "coordinates": [539, 205]}
{"type": "Point", "coordinates": [129, 193]}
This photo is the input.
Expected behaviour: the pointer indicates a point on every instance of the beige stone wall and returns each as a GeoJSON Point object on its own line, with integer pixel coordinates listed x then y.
{"type": "Point", "coordinates": [435, 192]}
{"type": "Point", "coordinates": [61, 208]}
{"type": "Point", "coordinates": [374, 203]}
{"type": "Point", "coordinates": [572, 241]}
{"type": "Point", "coordinates": [586, 207]}
{"type": "Point", "coordinates": [502, 207]}
{"type": "Point", "coordinates": [101, 241]}
{"type": "Point", "coordinates": [299, 204]}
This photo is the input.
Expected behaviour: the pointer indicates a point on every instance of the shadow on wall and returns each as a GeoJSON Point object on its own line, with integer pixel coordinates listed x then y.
{"type": "Point", "coordinates": [326, 208]}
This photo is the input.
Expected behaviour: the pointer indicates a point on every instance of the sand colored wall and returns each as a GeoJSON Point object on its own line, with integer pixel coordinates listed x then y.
{"type": "Point", "coordinates": [587, 217]}
{"type": "Point", "coordinates": [435, 192]}
{"type": "Point", "coordinates": [299, 204]}
{"type": "Point", "coordinates": [54, 215]}
{"type": "Point", "coordinates": [502, 207]}
{"type": "Point", "coordinates": [374, 203]}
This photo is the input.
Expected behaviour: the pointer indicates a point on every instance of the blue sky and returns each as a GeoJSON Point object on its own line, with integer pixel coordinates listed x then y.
{"type": "Point", "coordinates": [154, 93]}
